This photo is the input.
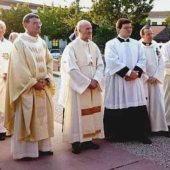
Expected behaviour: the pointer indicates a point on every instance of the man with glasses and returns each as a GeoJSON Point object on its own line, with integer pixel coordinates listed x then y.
{"type": "Point", "coordinates": [30, 86]}
{"type": "Point", "coordinates": [125, 116]}
{"type": "Point", "coordinates": [153, 80]}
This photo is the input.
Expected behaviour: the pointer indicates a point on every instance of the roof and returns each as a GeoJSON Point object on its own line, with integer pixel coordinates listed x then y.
{"type": "Point", "coordinates": [14, 2]}
{"type": "Point", "coordinates": [158, 14]}
{"type": "Point", "coordinates": [161, 33]}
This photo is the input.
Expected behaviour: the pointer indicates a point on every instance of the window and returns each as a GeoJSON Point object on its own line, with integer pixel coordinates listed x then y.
{"type": "Point", "coordinates": [154, 23]}
{"type": "Point", "coordinates": [55, 43]}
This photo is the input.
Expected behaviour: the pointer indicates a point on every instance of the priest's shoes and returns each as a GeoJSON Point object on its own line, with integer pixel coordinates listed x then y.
{"type": "Point", "coordinates": [45, 153]}
{"type": "Point", "coordinates": [27, 159]}
{"type": "Point", "coordinates": [76, 149]}
{"type": "Point", "coordinates": [145, 140]}
{"type": "Point", "coordinates": [89, 145]}
{"type": "Point", "coordinates": [2, 136]}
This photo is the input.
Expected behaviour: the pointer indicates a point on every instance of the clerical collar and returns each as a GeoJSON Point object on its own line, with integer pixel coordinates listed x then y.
{"type": "Point", "coordinates": [83, 42]}
{"type": "Point", "coordinates": [2, 39]}
{"type": "Point", "coordinates": [147, 44]}
{"type": "Point", "coordinates": [122, 39]}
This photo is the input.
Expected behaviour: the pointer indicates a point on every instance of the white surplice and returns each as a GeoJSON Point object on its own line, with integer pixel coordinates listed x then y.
{"type": "Point", "coordinates": [5, 47]}
{"type": "Point", "coordinates": [118, 92]}
{"type": "Point", "coordinates": [165, 50]}
{"type": "Point", "coordinates": [154, 93]}
{"type": "Point", "coordinates": [81, 61]}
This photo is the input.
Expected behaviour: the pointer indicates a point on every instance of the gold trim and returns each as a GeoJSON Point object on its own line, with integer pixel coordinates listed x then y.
{"type": "Point", "coordinates": [85, 112]}
{"type": "Point", "coordinates": [91, 134]}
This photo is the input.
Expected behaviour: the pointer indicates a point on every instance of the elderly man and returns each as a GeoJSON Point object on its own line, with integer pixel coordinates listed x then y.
{"type": "Point", "coordinates": [5, 47]}
{"type": "Point", "coordinates": [81, 90]}
{"type": "Point", "coordinates": [125, 116]}
{"type": "Point", "coordinates": [29, 110]}
{"type": "Point", "coordinates": [153, 80]}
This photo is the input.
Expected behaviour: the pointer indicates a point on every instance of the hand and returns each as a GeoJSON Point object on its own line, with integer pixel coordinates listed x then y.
{"type": "Point", "coordinates": [93, 84]}
{"type": "Point", "coordinates": [43, 82]}
{"type": "Point", "coordinates": [134, 75]}
{"type": "Point", "coordinates": [153, 80]}
{"type": "Point", "coordinates": [127, 78]}
{"type": "Point", "coordinates": [5, 76]}
{"type": "Point", "coordinates": [38, 86]}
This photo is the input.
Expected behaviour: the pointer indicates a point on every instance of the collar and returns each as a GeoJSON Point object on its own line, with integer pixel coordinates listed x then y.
{"type": "Point", "coordinates": [83, 42]}
{"type": "Point", "coordinates": [2, 40]}
{"type": "Point", "coordinates": [123, 39]}
{"type": "Point", "coordinates": [146, 44]}
{"type": "Point", "coordinates": [31, 37]}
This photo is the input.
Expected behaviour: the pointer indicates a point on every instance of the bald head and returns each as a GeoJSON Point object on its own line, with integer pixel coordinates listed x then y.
{"type": "Point", "coordinates": [84, 29]}
{"type": "Point", "coordinates": [2, 29]}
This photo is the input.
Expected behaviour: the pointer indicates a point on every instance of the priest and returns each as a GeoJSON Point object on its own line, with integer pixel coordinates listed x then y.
{"type": "Point", "coordinates": [125, 116]}
{"type": "Point", "coordinates": [30, 87]}
{"type": "Point", "coordinates": [153, 82]}
{"type": "Point", "coordinates": [81, 90]}
{"type": "Point", "coordinates": [5, 47]}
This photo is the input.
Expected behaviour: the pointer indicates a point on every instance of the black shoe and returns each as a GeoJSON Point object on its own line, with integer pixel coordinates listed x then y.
{"type": "Point", "coordinates": [76, 149]}
{"type": "Point", "coordinates": [89, 145]}
{"type": "Point", "coordinates": [27, 159]}
{"type": "Point", "coordinates": [2, 136]}
{"type": "Point", "coordinates": [165, 134]}
{"type": "Point", "coordinates": [45, 153]}
{"type": "Point", "coordinates": [145, 140]}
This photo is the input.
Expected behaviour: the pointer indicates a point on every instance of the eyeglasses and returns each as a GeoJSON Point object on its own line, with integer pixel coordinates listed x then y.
{"type": "Point", "coordinates": [126, 28]}
{"type": "Point", "coordinates": [37, 23]}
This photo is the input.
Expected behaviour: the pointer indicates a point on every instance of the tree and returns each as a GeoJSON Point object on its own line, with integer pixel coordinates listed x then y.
{"type": "Point", "coordinates": [13, 17]}
{"type": "Point", "coordinates": [167, 20]}
{"type": "Point", "coordinates": [107, 12]}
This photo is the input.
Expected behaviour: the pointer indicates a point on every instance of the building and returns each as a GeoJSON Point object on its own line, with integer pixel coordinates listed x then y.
{"type": "Point", "coordinates": [6, 4]}
{"type": "Point", "coordinates": [158, 17]}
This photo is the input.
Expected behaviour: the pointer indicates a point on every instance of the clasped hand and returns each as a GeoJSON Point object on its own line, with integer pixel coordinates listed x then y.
{"type": "Point", "coordinates": [93, 84]}
{"type": "Point", "coordinates": [133, 76]}
{"type": "Point", "coordinates": [40, 84]}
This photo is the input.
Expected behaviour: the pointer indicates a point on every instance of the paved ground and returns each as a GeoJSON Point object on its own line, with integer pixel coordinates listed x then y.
{"type": "Point", "coordinates": [111, 156]}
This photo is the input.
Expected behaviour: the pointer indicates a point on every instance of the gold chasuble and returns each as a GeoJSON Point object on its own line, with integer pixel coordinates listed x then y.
{"type": "Point", "coordinates": [83, 118]}
{"type": "Point", "coordinates": [30, 62]}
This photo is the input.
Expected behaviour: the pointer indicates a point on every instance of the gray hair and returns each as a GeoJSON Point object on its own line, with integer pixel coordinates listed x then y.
{"type": "Point", "coordinates": [3, 24]}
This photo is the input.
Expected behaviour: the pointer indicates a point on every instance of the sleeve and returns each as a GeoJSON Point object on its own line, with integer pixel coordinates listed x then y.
{"type": "Point", "coordinates": [114, 66]}
{"type": "Point", "coordinates": [166, 58]}
{"type": "Point", "coordinates": [77, 81]}
{"type": "Point", "coordinates": [159, 74]}
{"type": "Point", "coordinates": [141, 63]}
{"type": "Point", "coordinates": [98, 76]}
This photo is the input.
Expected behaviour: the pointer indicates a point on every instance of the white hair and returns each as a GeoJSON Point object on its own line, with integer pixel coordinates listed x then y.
{"type": "Point", "coordinates": [81, 23]}
{"type": "Point", "coordinates": [3, 24]}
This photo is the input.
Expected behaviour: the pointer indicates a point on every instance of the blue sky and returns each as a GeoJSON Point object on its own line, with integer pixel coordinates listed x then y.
{"type": "Point", "coordinates": [159, 5]}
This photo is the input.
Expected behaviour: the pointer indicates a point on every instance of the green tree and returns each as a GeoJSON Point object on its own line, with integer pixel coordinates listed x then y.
{"type": "Point", "coordinates": [107, 12]}
{"type": "Point", "coordinates": [167, 20]}
{"type": "Point", "coordinates": [13, 17]}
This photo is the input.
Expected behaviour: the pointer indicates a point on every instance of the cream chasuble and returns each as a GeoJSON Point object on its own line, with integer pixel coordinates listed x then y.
{"type": "Point", "coordinates": [166, 85]}
{"type": "Point", "coordinates": [154, 93]}
{"type": "Point", "coordinates": [30, 62]}
{"type": "Point", "coordinates": [5, 47]}
{"type": "Point", "coordinates": [83, 119]}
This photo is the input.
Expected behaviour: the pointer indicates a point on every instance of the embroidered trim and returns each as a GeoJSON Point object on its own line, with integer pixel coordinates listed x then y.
{"type": "Point", "coordinates": [91, 111]}
{"type": "Point", "coordinates": [87, 135]}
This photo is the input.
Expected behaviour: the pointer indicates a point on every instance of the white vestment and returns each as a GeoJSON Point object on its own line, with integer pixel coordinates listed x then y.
{"type": "Point", "coordinates": [5, 47]}
{"type": "Point", "coordinates": [118, 92]}
{"type": "Point", "coordinates": [31, 117]}
{"type": "Point", "coordinates": [154, 93]}
{"type": "Point", "coordinates": [166, 85]}
{"type": "Point", "coordinates": [83, 119]}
